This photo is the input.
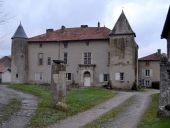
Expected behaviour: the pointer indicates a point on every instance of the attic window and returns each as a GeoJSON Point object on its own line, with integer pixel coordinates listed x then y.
{"type": "Point", "coordinates": [87, 43]}
{"type": "Point", "coordinates": [40, 45]}
{"type": "Point", "coordinates": [65, 44]}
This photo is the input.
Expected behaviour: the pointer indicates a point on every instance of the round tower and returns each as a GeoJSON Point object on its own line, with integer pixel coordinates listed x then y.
{"type": "Point", "coordinates": [19, 54]}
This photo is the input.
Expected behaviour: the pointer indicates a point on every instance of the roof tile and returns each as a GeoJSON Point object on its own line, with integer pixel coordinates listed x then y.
{"type": "Point", "coordinates": [74, 34]}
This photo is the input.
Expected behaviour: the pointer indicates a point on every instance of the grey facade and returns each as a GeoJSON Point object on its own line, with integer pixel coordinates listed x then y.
{"type": "Point", "coordinates": [92, 55]}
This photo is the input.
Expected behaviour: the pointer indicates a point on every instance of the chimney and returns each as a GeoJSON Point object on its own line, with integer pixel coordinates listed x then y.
{"type": "Point", "coordinates": [159, 52]}
{"type": "Point", "coordinates": [63, 27]}
{"type": "Point", "coordinates": [98, 25]}
{"type": "Point", "coordinates": [49, 30]}
{"type": "Point", "coordinates": [84, 26]}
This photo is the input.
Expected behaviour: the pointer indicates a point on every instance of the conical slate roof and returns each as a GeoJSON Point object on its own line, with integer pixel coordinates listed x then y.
{"type": "Point", "coordinates": [122, 26]}
{"type": "Point", "coordinates": [166, 27]}
{"type": "Point", "coordinates": [20, 33]}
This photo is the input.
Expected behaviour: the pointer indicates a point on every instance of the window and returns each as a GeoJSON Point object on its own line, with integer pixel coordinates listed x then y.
{"type": "Point", "coordinates": [65, 57]}
{"type": "Point", "coordinates": [40, 45]}
{"type": "Point", "coordinates": [119, 76]}
{"type": "Point", "coordinates": [49, 61]}
{"type": "Point", "coordinates": [147, 83]}
{"type": "Point", "coordinates": [87, 43]}
{"type": "Point", "coordinates": [106, 77]}
{"type": "Point", "coordinates": [108, 58]}
{"type": "Point", "coordinates": [40, 59]}
{"type": "Point", "coordinates": [148, 72]}
{"type": "Point", "coordinates": [68, 76]}
{"type": "Point", "coordinates": [147, 63]}
{"type": "Point", "coordinates": [87, 58]}
{"type": "Point", "coordinates": [168, 71]}
{"type": "Point", "coordinates": [65, 44]}
{"type": "Point", "coordinates": [16, 75]}
{"type": "Point", "coordinates": [38, 76]}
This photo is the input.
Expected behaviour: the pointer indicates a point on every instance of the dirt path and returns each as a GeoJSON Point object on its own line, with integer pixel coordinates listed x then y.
{"type": "Point", "coordinates": [85, 117]}
{"type": "Point", "coordinates": [22, 118]}
{"type": "Point", "coordinates": [131, 116]}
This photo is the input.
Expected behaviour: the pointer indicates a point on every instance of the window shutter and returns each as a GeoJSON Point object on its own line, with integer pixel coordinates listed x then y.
{"type": "Point", "coordinates": [101, 78]}
{"type": "Point", "coordinates": [117, 76]}
{"type": "Point", "coordinates": [151, 72]}
{"type": "Point", "coordinates": [143, 72]}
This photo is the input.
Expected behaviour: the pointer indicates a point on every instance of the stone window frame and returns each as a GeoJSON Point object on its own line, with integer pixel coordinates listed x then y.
{"type": "Point", "coordinates": [148, 72]}
{"type": "Point", "coordinates": [87, 58]}
{"type": "Point", "coordinates": [40, 58]}
{"type": "Point", "coordinates": [120, 76]}
{"type": "Point", "coordinates": [105, 77]}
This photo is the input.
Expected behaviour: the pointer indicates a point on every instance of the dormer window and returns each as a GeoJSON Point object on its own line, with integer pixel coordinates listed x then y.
{"type": "Point", "coordinates": [65, 44]}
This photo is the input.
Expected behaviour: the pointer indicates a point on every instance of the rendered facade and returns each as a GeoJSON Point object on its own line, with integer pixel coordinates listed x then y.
{"type": "Point", "coordinates": [93, 55]}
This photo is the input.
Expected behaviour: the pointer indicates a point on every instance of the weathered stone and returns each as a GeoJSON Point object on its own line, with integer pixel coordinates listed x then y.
{"type": "Point", "coordinates": [58, 85]}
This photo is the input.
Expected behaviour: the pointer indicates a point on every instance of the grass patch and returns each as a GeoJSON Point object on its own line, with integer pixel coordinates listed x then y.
{"type": "Point", "coordinates": [78, 100]}
{"type": "Point", "coordinates": [110, 115]}
{"type": "Point", "coordinates": [8, 110]}
{"type": "Point", "coordinates": [150, 119]}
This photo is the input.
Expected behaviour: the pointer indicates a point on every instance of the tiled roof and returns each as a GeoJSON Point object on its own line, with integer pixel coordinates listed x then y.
{"type": "Point", "coordinates": [2, 68]}
{"type": "Point", "coordinates": [6, 61]}
{"type": "Point", "coordinates": [152, 57]}
{"type": "Point", "coordinates": [74, 34]}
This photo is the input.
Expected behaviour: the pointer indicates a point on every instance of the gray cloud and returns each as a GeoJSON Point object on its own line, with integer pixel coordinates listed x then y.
{"type": "Point", "coordinates": [146, 18]}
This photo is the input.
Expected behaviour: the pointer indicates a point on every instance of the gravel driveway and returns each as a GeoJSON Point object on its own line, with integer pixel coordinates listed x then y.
{"type": "Point", "coordinates": [22, 118]}
{"type": "Point", "coordinates": [130, 117]}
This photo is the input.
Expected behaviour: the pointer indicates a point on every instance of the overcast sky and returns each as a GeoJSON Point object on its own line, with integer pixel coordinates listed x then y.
{"type": "Point", "coordinates": [146, 18]}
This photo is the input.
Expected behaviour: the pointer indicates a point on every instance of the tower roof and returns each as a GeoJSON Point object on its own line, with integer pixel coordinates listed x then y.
{"type": "Point", "coordinates": [122, 26]}
{"type": "Point", "coordinates": [166, 28]}
{"type": "Point", "coordinates": [19, 33]}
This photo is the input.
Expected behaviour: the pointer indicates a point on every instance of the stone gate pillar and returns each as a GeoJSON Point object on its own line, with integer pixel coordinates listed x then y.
{"type": "Point", "coordinates": [58, 83]}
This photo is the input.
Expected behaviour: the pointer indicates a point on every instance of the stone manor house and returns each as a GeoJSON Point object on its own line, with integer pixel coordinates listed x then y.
{"type": "Point", "coordinates": [93, 55]}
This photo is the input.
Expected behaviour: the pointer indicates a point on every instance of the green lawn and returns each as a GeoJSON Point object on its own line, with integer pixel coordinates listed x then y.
{"type": "Point", "coordinates": [9, 109]}
{"type": "Point", "coordinates": [150, 119]}
{"type": "Point", "coordinates": [77, 100]}
{"type": "Point", "coordinates": [110, 115]}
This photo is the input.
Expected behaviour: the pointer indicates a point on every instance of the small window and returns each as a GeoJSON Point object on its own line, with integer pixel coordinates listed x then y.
{"type": "Point", "coordinates": [147, 72]}
{"type": "Point", "coordinates": [16, 75]}
{"type": "Point", "coordinates": [65, 44]}
{"type": "Point", "coordinates": [65, 57]}
{"type": "Point", "coordinates": [119, 76]}
{"type": "Point", "coordinates": [106, 77]}
{"type": "Point", "coordinates": [168, 71]}
{"type": "Point", "coordinates": [49, 61]}
{"type": "Point", "coordinates": [68, 76]}
{"type": "Point", "coordinates": [108, 58]}
{"type": "Point", "coordinates": [40, 59]}
{"type": "Point", "coordinates": [87, 43]}
{"type": "Point", "coordinates": [38, 76]}
{"type": "Point", "coordinates": [40, 45]}
{"type": "Point", "coordinates": [147, 63]}
{"type": "Point", "coordinates": [147, 83]}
